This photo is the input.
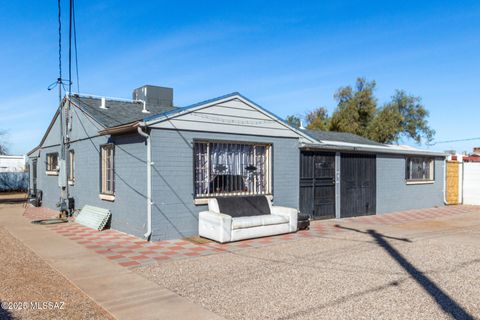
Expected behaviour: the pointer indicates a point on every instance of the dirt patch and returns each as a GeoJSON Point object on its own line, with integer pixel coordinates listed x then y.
{"type": "Point", "coordinates": [198, 240]}
{"type": "Point", "coordinates": [12, 195]}
{"type": "Point", "coordinates": [31, 289]}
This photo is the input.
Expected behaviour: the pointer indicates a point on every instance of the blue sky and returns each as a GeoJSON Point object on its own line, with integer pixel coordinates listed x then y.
{"type": "Point", "coordinates": [288, 57]}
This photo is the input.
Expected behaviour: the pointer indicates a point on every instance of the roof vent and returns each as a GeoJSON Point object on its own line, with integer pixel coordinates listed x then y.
{"type": "Point", "coordinates": [144, 110]}
{"type": "Point", "coordinates": [103, 104]}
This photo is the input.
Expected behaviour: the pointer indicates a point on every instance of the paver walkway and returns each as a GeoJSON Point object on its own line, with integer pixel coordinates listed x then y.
{"type": "Point", "coordinates": [129, 251]}
{"type": "Point", "coordinates": [118, 290]}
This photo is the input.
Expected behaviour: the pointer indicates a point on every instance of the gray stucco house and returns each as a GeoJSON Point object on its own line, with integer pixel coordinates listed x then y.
{"type": "Point", "coordinates": [154, 165]}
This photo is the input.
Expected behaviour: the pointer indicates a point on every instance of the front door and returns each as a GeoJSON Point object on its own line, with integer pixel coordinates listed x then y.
{"type": "Point", "coordinates": [317, 184]}
{"type": "Point", "coordinates": [358, 185]}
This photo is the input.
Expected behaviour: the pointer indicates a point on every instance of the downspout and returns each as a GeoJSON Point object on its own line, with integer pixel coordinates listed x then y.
{"type": "Point", "coordinates": [148, 234]}
{"type": "Point", "coordinates": [445, 181]}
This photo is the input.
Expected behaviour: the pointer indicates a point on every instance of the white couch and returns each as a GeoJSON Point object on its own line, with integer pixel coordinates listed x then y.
{"type": "Point", "coordinates": [245, 218]}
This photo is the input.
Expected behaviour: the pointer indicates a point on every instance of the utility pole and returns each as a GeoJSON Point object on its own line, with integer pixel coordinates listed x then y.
{"type": "Point", "coordinates": [63, 114]}
{"type": "Point", "coordinates": [63, 111]}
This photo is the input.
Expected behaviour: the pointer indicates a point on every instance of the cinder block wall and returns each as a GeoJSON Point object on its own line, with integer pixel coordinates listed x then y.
{"type": "Point", "coordinates": [174, 213]}
{"type": "Point", "coordinates": [48, 184]}
{"type": "Point", "coordinates": [394, 194]}
{"type": "Point", "coordinates": [129, 209]}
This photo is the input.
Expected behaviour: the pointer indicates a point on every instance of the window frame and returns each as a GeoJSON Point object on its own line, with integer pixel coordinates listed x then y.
{"type": "Point", "coordinates": [408, 174]}
{"type": "Point", "coordinates": [203, 199]}
{"type": "Point", "coordinates": [107, 194]}
{"type": "Point", "coordinates": [48, 164]}
{"type": "Point", "coordinates": [71, 167]}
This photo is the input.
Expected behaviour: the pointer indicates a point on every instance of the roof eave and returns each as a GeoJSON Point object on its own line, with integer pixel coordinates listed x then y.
{"type": "Point", "coordinates": [371, 149]}
{"type": "Point", "coordinates": [124, 128]}
{"type": "Point", "coordinates": [32, 151]}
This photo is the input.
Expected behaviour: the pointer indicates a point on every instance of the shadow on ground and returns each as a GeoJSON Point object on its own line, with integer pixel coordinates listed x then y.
{"type": "Point", "coordinates": [5, 314]}
{"type": "Point", "coordinates": [447, 303]}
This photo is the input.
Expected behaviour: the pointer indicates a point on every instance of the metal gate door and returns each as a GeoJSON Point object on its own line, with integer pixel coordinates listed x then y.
{"type": "Point", "coordinates": [358, 185]}
{"type": "Point", "coordinates": [317, 184]}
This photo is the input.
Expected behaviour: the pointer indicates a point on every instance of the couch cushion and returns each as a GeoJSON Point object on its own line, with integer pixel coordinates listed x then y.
{"type": "Point", "coordinates": [244, 206]}
{"type": "Point", "coordinates": [257, 221]}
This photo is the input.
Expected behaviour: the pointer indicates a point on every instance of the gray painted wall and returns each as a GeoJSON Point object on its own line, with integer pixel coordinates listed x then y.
{"type": "Point", "coordinates": [394, 194]}
{"type": "Point", "coordinates": [48, 184]}
{"type": "Point", "coordinates": [232, 115]}
{"type": "Point", "coordinates": [174, 213]}
{"type": "Point", "coordinates": [129, 207]}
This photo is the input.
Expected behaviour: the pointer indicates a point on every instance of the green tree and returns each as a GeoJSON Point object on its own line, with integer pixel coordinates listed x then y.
{"type": "Point", "coordinates": [294, 121]}
{"type": "Point", "coordinates": [385, 126]}
{"type": "Point", "coordinates": [414, 123]}
{"type": "Point", "coordinates": [318, 119]}
{"type": "Point", "coordinates": [404, 116]}
{"type": "Point", "coordinates": [356, 107]}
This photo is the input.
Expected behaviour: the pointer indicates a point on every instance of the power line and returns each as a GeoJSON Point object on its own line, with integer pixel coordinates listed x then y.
{"type": "Point", "coordinates": [70, 49]}
{"type": "Point", "coordinates": [450, 141]}
{"type": "Point", "coordinates": [75, 45]}
{"type": "Point", "coordinates": [59, 42]}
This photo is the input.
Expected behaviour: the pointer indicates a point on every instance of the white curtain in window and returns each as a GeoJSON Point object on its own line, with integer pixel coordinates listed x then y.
{"type": "Point", "coordinates": [230, 168]}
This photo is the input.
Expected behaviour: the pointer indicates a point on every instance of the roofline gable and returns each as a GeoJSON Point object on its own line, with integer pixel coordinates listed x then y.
{"type": "Point", "coordinates": [55, 116]}
{"type": "Point", "coordinates": [228, 97]}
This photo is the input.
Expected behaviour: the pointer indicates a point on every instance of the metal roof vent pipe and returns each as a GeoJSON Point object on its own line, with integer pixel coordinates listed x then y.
{"type": "Point", "coordinates": [144, 110]}
{"type": "Point", "coordinates": [103, 104]}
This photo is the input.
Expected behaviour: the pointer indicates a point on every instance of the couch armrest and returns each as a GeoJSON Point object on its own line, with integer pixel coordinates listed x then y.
{"type": "Point", "coordinates": [290, 213]}
{"type": "Point", "coordinates": [215, 226]}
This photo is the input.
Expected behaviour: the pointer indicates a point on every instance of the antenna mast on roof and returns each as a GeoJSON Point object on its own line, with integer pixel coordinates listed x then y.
{"type": "Point", "coordinates": [63, 108]}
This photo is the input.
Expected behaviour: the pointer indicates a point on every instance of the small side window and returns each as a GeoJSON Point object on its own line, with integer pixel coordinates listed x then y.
{"type": "Point", "coordinates": [419, 169]}
{"type": "Point", "coordinates": [52, 163]}
{"type": "Point", "coordinates": [71, 167]}
{"type": "Point", "coordinates": [107, 172]}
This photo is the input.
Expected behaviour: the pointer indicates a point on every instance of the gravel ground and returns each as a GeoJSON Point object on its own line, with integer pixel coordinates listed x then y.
{"type": "Point", "coordinates": [434, 273]}
{"type": "Point", "coordinates": [24, 277]}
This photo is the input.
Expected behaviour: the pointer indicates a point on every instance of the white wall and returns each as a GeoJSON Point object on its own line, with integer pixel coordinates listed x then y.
{"type": "Point", "coordinates": [471, 183]}
{"type": "Point", "coordinates": [12, 163]}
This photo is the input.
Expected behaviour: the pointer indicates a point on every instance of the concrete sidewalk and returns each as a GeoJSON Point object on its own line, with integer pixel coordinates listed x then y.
{"type": "Point", "coordinates": [121, 292]}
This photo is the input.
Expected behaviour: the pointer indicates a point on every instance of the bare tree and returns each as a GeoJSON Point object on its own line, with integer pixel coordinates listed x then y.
{"type": "Point", "coordinates": [3, 145]}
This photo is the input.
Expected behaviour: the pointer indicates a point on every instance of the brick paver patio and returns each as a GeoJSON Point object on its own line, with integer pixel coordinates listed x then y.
{"type": "Point", "coordinates": [130, 251]}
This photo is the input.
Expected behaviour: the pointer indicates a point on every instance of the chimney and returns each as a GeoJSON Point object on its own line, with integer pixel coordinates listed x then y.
{"type": "Point", "coordinates": [159, 98]}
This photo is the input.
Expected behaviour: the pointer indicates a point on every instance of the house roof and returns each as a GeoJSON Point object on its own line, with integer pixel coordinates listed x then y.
{"type": "Point", "coordinates": [117, 112]}
{"type": "Point", "coordinates": [340, 137]}
{"type": "Point", "coordinates": [121, 115]}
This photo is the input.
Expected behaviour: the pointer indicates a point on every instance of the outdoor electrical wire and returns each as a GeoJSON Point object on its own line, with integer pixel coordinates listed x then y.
{"type": "Point", "coordinates": [75, 46]}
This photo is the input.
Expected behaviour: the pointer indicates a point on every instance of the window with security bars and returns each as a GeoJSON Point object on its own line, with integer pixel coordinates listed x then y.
{"type": "Point", "coordinates": [225, 169]}
{"type": "Point", "coordinates": [419, 169]}
{"type": "Point", "coordinates": [107, 169]}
